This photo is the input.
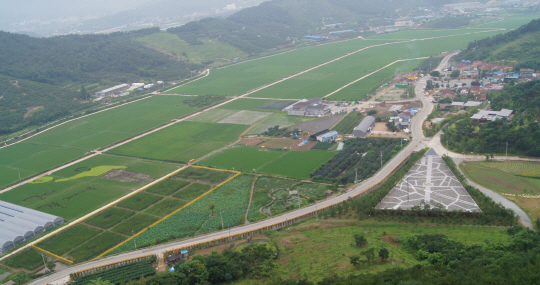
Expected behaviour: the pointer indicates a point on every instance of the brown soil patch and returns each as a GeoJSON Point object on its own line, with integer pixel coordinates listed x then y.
{"type": "Point", "coordinates": [387, 239]}
{"type": "Point", "coordinates": [31, 110]}
{"type": "Point", "coordinates": [126, 176]}
{"type": "Point", "coordinates": [306, 146]}
{"type": "Point", "coordinates": [222, 247]}
{"type": "Point", "coordinates": [253, 141]}
{"type": "Point", "coordinates": [380, 127]}
{"type": "Point", "coordinates": [278, 143]}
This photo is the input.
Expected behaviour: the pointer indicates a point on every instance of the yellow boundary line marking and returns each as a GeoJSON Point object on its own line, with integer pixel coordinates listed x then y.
{"type": "Point", "coordinates": [177, 210]}
{"type": "Point", "coordinates": [50, 253]}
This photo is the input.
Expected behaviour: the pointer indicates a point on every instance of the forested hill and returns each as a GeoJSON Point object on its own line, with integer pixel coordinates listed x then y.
{"type": "Point", "coordinates": [271, 23]}
{"type": "Point", "coordinates": [85, 58]}
{"type": "Point", "coordinates": [521, 46]}
{"type": "Point", "coordinates": [40, 78]}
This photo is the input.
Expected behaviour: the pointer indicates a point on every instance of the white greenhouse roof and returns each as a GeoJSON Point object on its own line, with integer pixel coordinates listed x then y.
{"type": "Point", "coordinates": [19, 224]}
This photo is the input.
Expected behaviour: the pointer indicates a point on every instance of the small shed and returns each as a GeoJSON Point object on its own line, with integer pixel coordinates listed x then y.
{"type": "Point", "coordinates": [328, 137]}
{"type": "Point", "coordinates": [176, 257]}
{"type": "Point", "coordinates": [329, 192]}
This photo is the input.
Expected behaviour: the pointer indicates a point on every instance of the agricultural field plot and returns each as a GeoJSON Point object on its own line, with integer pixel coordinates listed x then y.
{"type": "Point", "coordinates": [327, 79]}
{"type": "Point", "coordinates": [135, 224]}
{"type": "Point", "coordinates": [212, 116]}
{"type": "Point", "coordinates": [279, 143]}
{"type": "Point", "coordinates": [78, 195]}
{"type": "Point", "coordinates": [320, 124]}
{"type": "Point", "coordinates": [278, 119]}
{"type": "Point", "coordinates": [347, 125]}
{"type": "Point", "coordinates": [204, 175]}
{"type": "Point", "coordinates": [165, 207]}
{"type": "Point", "coordinates": [297, 164]}
{"type": "Point", "coordinates": [72, 140]}
{"type": "Point", "coordinates": [245, 117]}
{"type": "Point", "coordinates": [102, 129]}
{"type": "Point", "coordinates": [69, 239]}
{"type": "Point", "coordinates": [183, 141]}
{"type": "Point", "coordinates": [167, 186]}
{"type": "Point", "coordinates": [139, 201]}
{"type": "Point", "coordinates": [95, 246]}
{"type": "Point", "coordinates": [171, 44]}
{"type": "Point", "coordinates": [239, 78]}
{"type": "Point", "coordinates": [242, 158]}
{"type": "Point", "coordinates": [109, 217]}
{"type": "Point", "coordinates": [231, 198]}
{"type": "Point", "coordinates": [510, 22]}
{"type": "Point", "coordinates": [264, 186]}
{"type": "Point", "coordinates": [276, 105]}
{"type": "Point", "coordinates": [191, 192]}
{"type": "Point", "coordinates": [503, 177]}
{"type": "Point", "coordinates": [29, 259]}
{"type": "Point", "coordinates": [244, 104]}
{"type": "Point", "coordinates": [27, 159]}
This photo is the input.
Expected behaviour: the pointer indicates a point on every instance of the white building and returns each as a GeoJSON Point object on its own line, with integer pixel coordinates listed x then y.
{"type": "Point", "coordinates": [113, 90]}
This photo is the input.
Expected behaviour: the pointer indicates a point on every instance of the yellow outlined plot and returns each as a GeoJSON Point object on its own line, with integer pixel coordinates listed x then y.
{"type": "Point", "coordinates": [50, 253]}
{"type": "Point", "coordinates": [177, 210]}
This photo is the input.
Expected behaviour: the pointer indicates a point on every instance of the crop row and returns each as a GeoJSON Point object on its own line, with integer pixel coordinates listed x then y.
{"type": "Point", "coordinates": [121, 274]}
{"type": "Point", "coordinates": [231, 198]}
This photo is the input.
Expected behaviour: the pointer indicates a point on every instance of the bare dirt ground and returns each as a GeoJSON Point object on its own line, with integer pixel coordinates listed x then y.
{"type": "Point", "coordinates": [126, 176]}
{"type": "Point", "coordinates": [253, 141]}
{"type": "Point", "coordinates": [279, 143]}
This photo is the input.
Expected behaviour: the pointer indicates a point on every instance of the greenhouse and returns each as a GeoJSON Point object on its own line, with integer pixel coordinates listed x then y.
{"type": "Point", "coordinates": [19, 224]}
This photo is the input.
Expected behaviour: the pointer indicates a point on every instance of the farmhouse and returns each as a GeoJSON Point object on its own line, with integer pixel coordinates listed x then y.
{"type": "Point", "coordinates": [484, 116]}
{"type": "Point", "coordinates": [448, 93]}
{"type": "Point", "coordinates": [328, 136]}
{"type": "Point", "coordinates": [19, 224]}
{"type": "Point", "coordinates": [312, 107]}
{"type": "Point", "coordinates": [176, 257]}
{"type": "Point", "coordinates": [113, 90]}
{"type": "Point", "coordinates": [364, 127]}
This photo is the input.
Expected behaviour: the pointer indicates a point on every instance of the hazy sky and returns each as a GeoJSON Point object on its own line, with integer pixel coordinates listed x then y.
{"type": "Point", "coordinates": [46, 17]}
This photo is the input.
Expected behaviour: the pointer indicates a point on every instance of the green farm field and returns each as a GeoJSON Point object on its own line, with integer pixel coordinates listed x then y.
{"type": "Point", "coordinates": [242, 158]}
{"type": "Point", "coordinates": [503, 176]}
{"type": "Point", "coordinates": [239, 78]}
{"type": "Point", "coordinates": [76, 197]}
{"type": "Point", "coordinates": [28, 159]}
{"type": "Point", "coordinates": [72, 140]}
{"type": "Point", "coordinates": [197, 218]}
{"type": "Point", "coordinates": [209, 50]}
{"type": "Point", "coordinates": [327, 79]}
{"type": "Point", "coordinates": [347, 125]}
{"type": "Point", "coordinates": [295, 164]}
{"type": "Point", "coordinates": [183, 141]}
{"type": "Point", "coordinates": [108, 127]}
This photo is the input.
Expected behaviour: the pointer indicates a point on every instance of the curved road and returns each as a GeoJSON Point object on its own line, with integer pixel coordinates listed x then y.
{"type": "Point", "coordinates": [418, 141]}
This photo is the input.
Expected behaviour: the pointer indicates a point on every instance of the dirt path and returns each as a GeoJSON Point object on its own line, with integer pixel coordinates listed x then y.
{"type": "Point", "coordinates": [250, 200]}
{"type": "Point", "coordinates": [162, 266]}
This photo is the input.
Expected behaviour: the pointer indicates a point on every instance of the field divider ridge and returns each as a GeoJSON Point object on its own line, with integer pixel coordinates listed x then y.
{"type": "Point", "coordinates": [176, 211]}
{"type": "Point", "coordinates": [50, 253]}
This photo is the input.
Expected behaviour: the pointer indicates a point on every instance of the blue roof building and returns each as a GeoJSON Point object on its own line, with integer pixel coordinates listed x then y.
{"type": "Point", "coordinates": [328, 137]}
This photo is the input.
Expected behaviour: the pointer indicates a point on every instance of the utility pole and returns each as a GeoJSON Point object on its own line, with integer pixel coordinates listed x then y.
{"type": "Point", "coordinates": [134, 242]}
{"type": "Point", "coordinates": [504, 159]}
{"type": "Point", "coordinates": [316, 211]}
{"type": "Point", "coordinates": [44, 264]}
{"type": "Point", "coordinates": [408, 195]}
{"type": "Point", "coordinates": [447, 146]}
{"type": "Point", "coordinates": [356, 176]}
{"type": "Point", "coordinates": [222, 227]}
{"type": "Point", "coordinates": [229, 226]}
{"type": "Point", "coordinates": [381, 159]}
